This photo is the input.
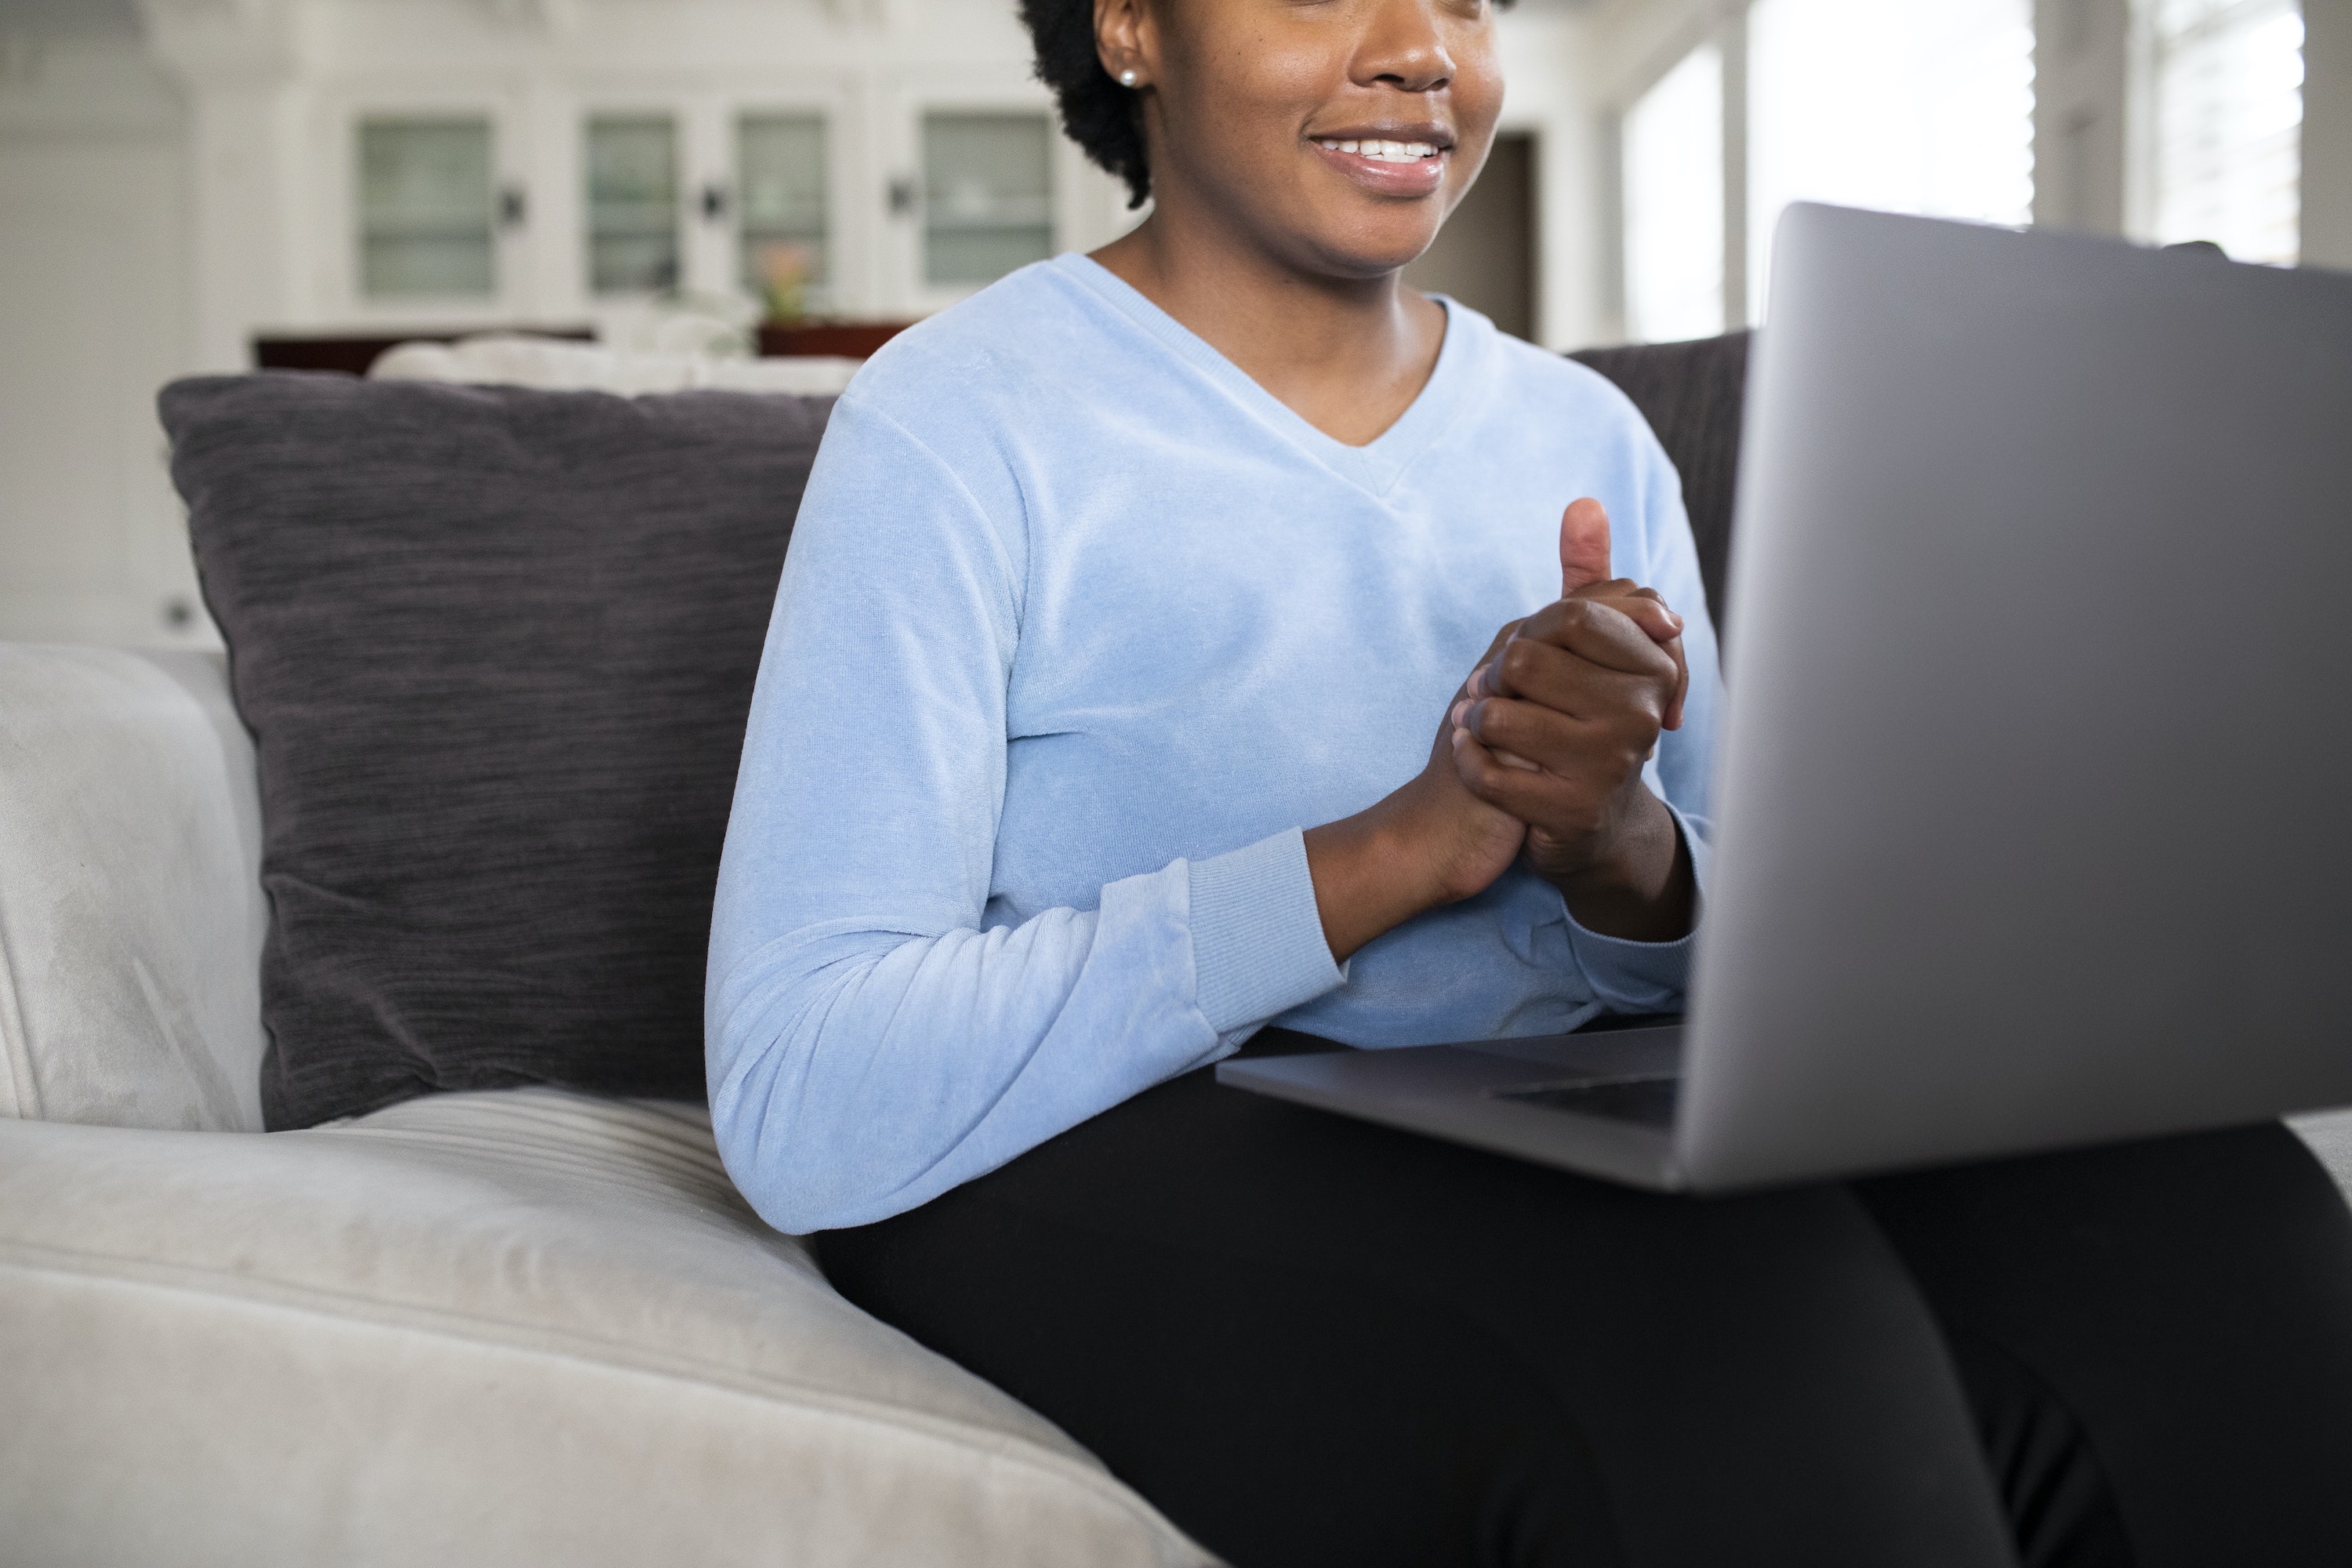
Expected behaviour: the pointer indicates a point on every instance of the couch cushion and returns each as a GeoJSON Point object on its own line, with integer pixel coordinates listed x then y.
{"type": "Point", "coordinates": [495, 647]}
{"type": "Point", "coordinates": [503, 1327]}
{"type": "Point", "coordinates": [131, 907]}
{"type": "Point", "coordinates": [515, 359]}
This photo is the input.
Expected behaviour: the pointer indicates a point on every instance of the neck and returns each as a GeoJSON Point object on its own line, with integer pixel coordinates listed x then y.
{"type": "Point", "coordinates": [1347, 354]}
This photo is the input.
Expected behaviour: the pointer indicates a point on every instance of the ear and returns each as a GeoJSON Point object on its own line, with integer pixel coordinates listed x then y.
{"type": "Point", "coordinates": [1583, 545]}
{"type": "Point", "coordinates": [1119, 43]}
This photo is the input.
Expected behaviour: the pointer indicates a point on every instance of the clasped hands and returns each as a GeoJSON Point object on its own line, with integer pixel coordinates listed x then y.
{"type": "Point", "coordinates": [1540, 754]}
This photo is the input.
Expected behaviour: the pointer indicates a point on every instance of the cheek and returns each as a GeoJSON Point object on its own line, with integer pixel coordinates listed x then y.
{"type": "Point", "coordinates": [1477, 105]}
{"type": "Point", "coordinates": [1270, 87]}
{"type": "Point", "coordinates": [1479, 92]}
{"type": "Point", "coordinates": [1242, 99]}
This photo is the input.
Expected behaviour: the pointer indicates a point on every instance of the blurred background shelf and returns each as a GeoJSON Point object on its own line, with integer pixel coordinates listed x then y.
{"type": "Point", "coordinates": [849, 339]}
{"type": "Point", "coordinates": [353, 353]}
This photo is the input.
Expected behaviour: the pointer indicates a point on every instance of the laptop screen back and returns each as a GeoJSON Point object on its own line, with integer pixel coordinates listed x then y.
{"type": "Point", "coordinates": [2035, 820]}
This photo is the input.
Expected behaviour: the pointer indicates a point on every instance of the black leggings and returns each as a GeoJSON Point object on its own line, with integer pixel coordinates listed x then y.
{"type": "Point", "coordinates": [1313, 1340]}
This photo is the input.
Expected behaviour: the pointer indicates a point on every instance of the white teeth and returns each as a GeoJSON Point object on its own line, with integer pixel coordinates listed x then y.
{"type": "Point", "coordinates": [1386, 151]}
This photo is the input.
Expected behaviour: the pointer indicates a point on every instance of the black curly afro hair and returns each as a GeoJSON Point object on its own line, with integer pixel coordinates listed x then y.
{"type": "Point", "coordinates": [1099, 115]}
{"type": "Point", "coordinates": [1102, 117]}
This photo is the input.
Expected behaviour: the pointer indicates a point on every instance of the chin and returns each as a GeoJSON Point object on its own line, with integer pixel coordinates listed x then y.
{"type": "Point", "coordinates": [1374, 247]}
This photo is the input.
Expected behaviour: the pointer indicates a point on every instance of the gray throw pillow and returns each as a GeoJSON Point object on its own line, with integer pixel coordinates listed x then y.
{"type": "Point", "coordinates": [1692, 394]}
{"type": "Point", "coordinates": [495, 647]}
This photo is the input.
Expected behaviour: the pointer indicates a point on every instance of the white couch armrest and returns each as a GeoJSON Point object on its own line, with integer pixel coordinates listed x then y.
{"type": "Point", "coordinates": [130, 905]}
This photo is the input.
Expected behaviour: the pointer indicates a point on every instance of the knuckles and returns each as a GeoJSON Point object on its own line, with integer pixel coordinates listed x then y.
{"type": "Point", "coordinates": [1519, 661]}
{"type": "Point", "coordinates": [1526, 667]}
{"type": "Point", "coordinates": [1573, 620]}
{"type": "Point", "coordinates": [1608, 748]}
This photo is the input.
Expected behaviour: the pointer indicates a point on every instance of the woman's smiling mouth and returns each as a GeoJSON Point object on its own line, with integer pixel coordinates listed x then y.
{"type": "Point", "coordinates": [1410, 162]}
{"type": "Point", "coordinates": [1386, 151]}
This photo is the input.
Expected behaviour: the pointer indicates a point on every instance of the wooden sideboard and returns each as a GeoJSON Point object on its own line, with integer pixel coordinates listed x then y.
{"type": "Point", "coordinates": [354, 353]}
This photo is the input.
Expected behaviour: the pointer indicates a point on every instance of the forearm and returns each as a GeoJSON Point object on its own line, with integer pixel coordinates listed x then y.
{"type": "Point", "coordinates": [1428, 843]}
{"type": "Point", "coordinates": [860, 1068]}
{"type": "Point", "coordinates": [1369, 878]}
{"type": "Point", "coordinates": [1644, 888]}
{"type": "Point", "coordinates": [857, 1074]}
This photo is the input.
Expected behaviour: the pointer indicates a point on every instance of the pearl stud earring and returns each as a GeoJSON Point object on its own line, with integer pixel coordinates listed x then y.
{"type": "Point", "coordinates": [1127, 78]}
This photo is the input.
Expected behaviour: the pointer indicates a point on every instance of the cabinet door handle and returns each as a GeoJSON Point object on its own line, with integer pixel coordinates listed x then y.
{"type": "Point", "coordinates": [714, 201]}
{"type": "Point", "coordinates": [512, 207]}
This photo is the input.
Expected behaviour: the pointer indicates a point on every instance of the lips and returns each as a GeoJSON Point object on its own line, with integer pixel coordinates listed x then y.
{"type": "Point", "coordinates": [1390, 167]}
{"type": "Point", "coordinates": [1394, 159]}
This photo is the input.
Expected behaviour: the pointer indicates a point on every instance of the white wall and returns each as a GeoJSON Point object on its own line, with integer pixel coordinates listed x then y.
{"type": "Point", "coordinates": [94, 316]}
{"type": "Point", "coordinates": [1547, 54]}
{"type": "Point", "coordinates": [2081, 126]}
{"type": "Point", "coordinates": [1632, 43]}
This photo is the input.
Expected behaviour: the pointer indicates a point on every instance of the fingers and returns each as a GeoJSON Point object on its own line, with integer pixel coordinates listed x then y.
{"type": "Point", "coordinates": [1599, 631]}
{"type": "Point", "coordinates": [1501, 638]}
{"type": "Point", "coordinates": [1567, 806]}
{"type": "Point", "coordinates": [1444, 743]}
{"type": "Point", "coordinates": [1619, 717]}
{"type": "Point", "coordinates": [1601, 671]}
{"type": "Point", "coordinates": [1495, 777]}
{"type": "Point", "coordinates": [1601, 700]}
{"type": "Point", "coordinates": [1463, 703]}
{"type": "Point", "coordinates": [1583, 545]}
{"type": "Point", "coordinates": [1591, 630]}
{"type": "Point", "coordinates": [1647, 610]}
{"type": "Point", "coordinates": [1564, 678]}
{"type": "Point", "coordinates": [1643, 606]}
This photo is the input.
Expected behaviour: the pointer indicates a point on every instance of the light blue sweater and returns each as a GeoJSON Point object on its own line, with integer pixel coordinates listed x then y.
{"type": "Point", "coordinates": [1079, 629]}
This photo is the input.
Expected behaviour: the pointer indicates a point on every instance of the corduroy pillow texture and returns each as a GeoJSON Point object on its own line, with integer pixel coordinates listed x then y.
{"type": "Point", "coordinates": [1692, 394]}
{"type": "Point", "coordinates": [495, 647]}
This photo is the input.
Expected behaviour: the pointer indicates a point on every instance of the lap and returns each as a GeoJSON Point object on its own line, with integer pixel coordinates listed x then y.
{"type": "Point", "coordinates": [1213, 1290]}
{"type": "Point", "coordinates": [2187, 1300]}
{"type": "Point", "coordinates": [1310, 1340]}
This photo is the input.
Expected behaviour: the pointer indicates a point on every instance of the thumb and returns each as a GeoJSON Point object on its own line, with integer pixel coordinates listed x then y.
{"type": "Point", "coordinates": [1583, 545]}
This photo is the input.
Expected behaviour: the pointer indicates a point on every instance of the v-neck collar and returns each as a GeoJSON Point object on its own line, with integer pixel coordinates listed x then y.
{"type": "Point", "coordinates": [1375, 467]}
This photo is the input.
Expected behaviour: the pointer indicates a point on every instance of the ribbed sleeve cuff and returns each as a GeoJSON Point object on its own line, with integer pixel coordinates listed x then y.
{"type": "Point", "coordinates": [1702, 853]}
{"type": "Point", "coordinates": [1257, 937]}
{"type": "Point", "coordinates": [1634, 976]}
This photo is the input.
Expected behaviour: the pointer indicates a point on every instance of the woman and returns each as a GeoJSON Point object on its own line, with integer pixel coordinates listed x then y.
{"type": "Point", "coordinates": [1094, 734]}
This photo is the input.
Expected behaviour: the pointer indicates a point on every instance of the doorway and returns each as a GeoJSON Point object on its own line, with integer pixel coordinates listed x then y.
{"type": "Point", "coordinates": [1486, 254]}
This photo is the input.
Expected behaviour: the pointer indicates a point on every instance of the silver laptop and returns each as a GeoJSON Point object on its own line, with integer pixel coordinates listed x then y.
{"type": "Point", "coordinates": [2034, 793]}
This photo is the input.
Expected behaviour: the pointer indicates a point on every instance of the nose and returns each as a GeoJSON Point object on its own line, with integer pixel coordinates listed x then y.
{"type": "Point", "coordinates": [1404, 48]}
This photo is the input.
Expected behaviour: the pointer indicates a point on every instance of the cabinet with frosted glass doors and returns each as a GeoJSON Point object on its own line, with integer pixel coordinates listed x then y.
{"type": "Point", "coordinates": [432, 197]}
{"type": "Point", "coordinates": [859, 202]}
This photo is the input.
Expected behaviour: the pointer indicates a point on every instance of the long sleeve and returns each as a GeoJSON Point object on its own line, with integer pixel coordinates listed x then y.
{"type": "Point", "coordinates": [873, 1039]}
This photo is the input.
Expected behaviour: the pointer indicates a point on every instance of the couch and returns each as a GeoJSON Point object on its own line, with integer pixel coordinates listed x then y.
{"type": "Point", "coordinates": [510, 1326]}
